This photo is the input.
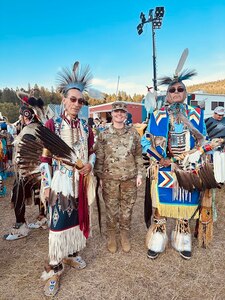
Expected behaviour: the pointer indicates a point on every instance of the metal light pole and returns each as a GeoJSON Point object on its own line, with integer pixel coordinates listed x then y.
{"type": "Point", "coordinates": [154, 59]}
{"type": "Point", "coordinates": [156, 24]}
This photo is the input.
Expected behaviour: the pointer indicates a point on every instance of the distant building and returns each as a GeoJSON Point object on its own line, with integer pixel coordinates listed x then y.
{"type": "Point", "coordinates": [103, 111]}
{"type": "Point", "coordinates": [206, 101]}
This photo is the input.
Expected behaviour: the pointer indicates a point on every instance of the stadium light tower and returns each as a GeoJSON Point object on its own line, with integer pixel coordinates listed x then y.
{"type": "Point", "coordinates": [156, 21]}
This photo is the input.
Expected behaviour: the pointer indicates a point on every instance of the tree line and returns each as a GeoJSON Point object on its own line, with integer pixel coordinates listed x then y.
{"type": "Point", "coordinates": [10, 103]}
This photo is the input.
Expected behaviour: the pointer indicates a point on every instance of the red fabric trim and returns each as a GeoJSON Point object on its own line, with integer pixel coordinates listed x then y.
{"type": "Point", "coordinates": [50, 125]}
{"type": "Point", "coordinates": [83, 214]}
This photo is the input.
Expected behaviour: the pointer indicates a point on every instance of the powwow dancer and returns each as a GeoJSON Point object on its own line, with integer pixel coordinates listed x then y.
{"type": "Point", "coordinates": [65, 180]}
{"type": "Point", "coordinates": [173, 132]}
{"type": "Point", "coordinates": [24, 190]}
{"type": "Point", "coordinates": [3, 152]}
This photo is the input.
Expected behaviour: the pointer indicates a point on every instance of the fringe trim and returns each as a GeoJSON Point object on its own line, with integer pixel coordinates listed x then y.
{"type": "Point", "coordinates": [65, 242]}
{"type": "Point", "coordinates": [177, 212]}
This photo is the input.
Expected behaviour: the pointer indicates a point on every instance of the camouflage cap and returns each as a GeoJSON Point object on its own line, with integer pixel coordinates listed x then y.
{"type": "Point", "coordinates": [119, 105]}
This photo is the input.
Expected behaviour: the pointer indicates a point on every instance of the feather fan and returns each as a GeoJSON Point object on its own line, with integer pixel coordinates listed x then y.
{"type": "Point", "coordinates": [54, 143]}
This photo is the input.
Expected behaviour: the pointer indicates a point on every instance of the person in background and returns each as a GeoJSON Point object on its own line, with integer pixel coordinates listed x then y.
{"type": "Point", "coordinates": [215, 125]}
{"type": "Point", "coordinates": [23, 191]}
{"type": "Point", "coordinates": [129, 120]}
{"type": "Point", "coordinates": [102, 126]}
{"type": "Point", "coordinates": [119, 166]}
{"type": "Point", "coordinates": [91, 122]}
{"type": "Point", "coordinates": [97, 122]}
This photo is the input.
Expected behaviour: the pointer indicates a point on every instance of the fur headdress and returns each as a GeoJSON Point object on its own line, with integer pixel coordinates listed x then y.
{"type": "Point", "coordinates": [78, 78]}
{"type": "Point", "coordinates": [179, 75]}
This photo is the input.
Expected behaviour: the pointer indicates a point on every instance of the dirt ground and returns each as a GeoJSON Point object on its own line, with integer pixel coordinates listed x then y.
{"type": "Point", "coordinates": [118, 276]}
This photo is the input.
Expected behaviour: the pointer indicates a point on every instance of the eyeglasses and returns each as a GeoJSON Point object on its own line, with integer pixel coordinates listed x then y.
{"type": "Point", "coordinates": [172, 90]}
{"type": "Point", "coordinates": [79, 100]}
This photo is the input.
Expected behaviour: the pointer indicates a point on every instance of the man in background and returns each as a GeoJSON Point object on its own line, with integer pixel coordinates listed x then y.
{"type": "Point", "coordinates": [215, 125]}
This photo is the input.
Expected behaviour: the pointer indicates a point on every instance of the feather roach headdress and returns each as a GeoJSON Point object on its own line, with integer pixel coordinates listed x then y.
{"type": "Point", "coordinates": [179, 75]}
{"type": "Point", "coordinates": [31, 105]}
{"type": "Point", "coordinates": [78, 78]}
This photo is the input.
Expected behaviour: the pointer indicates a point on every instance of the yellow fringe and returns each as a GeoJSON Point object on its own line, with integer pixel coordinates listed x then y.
{"type": "Point", "coordinates": [174, 211]}
{"type": "Point", "coordinates": [170, 211]}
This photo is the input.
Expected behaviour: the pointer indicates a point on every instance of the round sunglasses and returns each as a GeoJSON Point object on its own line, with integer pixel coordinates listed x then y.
{"type": "Point", "coordinates": [79, 100]}
{"type": "Point", "coordinates": [172, 90]}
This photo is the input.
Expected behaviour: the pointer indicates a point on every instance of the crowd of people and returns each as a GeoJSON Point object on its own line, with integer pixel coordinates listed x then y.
{"type": "Point", "coordinates": [6, 139]}
{"type": "Point", "coordinates": [56, 162]}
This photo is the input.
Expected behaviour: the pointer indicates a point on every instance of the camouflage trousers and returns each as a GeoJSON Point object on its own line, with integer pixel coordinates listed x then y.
{"type": "Point", "coordinates": [119, 198]}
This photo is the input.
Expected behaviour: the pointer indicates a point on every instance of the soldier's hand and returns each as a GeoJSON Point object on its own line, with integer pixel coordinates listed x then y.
{"type": "Point", "coordinates": [139, 180]}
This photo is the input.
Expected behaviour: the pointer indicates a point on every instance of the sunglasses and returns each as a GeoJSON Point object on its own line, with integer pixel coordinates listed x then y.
{"type": "Point", "coordinates": [172, 90]}
{"type": "Point", "coordinates": [79, 100]}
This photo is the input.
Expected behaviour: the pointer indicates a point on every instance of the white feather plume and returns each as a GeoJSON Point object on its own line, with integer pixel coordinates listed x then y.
{"type": "Point", "coordinates": [181, 62]}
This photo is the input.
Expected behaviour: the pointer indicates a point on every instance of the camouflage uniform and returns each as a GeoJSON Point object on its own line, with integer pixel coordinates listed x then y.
{"type": "Point", "coordinates": [118, 162]}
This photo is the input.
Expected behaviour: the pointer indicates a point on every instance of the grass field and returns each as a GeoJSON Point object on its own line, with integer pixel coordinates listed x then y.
{"type": "Point", "coordinates": [118, 276]}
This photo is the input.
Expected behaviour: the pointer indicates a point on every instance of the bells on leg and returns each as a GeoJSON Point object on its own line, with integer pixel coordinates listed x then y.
{"type": "Point", "coordinates": [156, 238]}
{"type": "Point", "coordinates": [181, 238]}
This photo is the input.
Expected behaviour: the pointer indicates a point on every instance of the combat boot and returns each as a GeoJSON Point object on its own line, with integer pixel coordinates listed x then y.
{"type": "Point", "coordinates": [111, 244]}
{"type": "Point", "coordinates": [125, 242]}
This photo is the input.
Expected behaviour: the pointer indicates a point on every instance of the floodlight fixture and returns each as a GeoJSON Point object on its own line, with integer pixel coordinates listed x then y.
{"type": "Point", "coordinates": [159, 12]}
{"type": "Point", "coordinates": [150, 15]}
{"type": "Point", "coordinates": [156, 24]}
{"type": "Point", "coordinates": [140, 28]}
{"type": "Point", "coordinates": [142, 17]}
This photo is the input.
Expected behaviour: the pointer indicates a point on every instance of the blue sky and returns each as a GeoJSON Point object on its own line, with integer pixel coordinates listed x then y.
{"type": "Point", "coordinates": [37, 38]}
